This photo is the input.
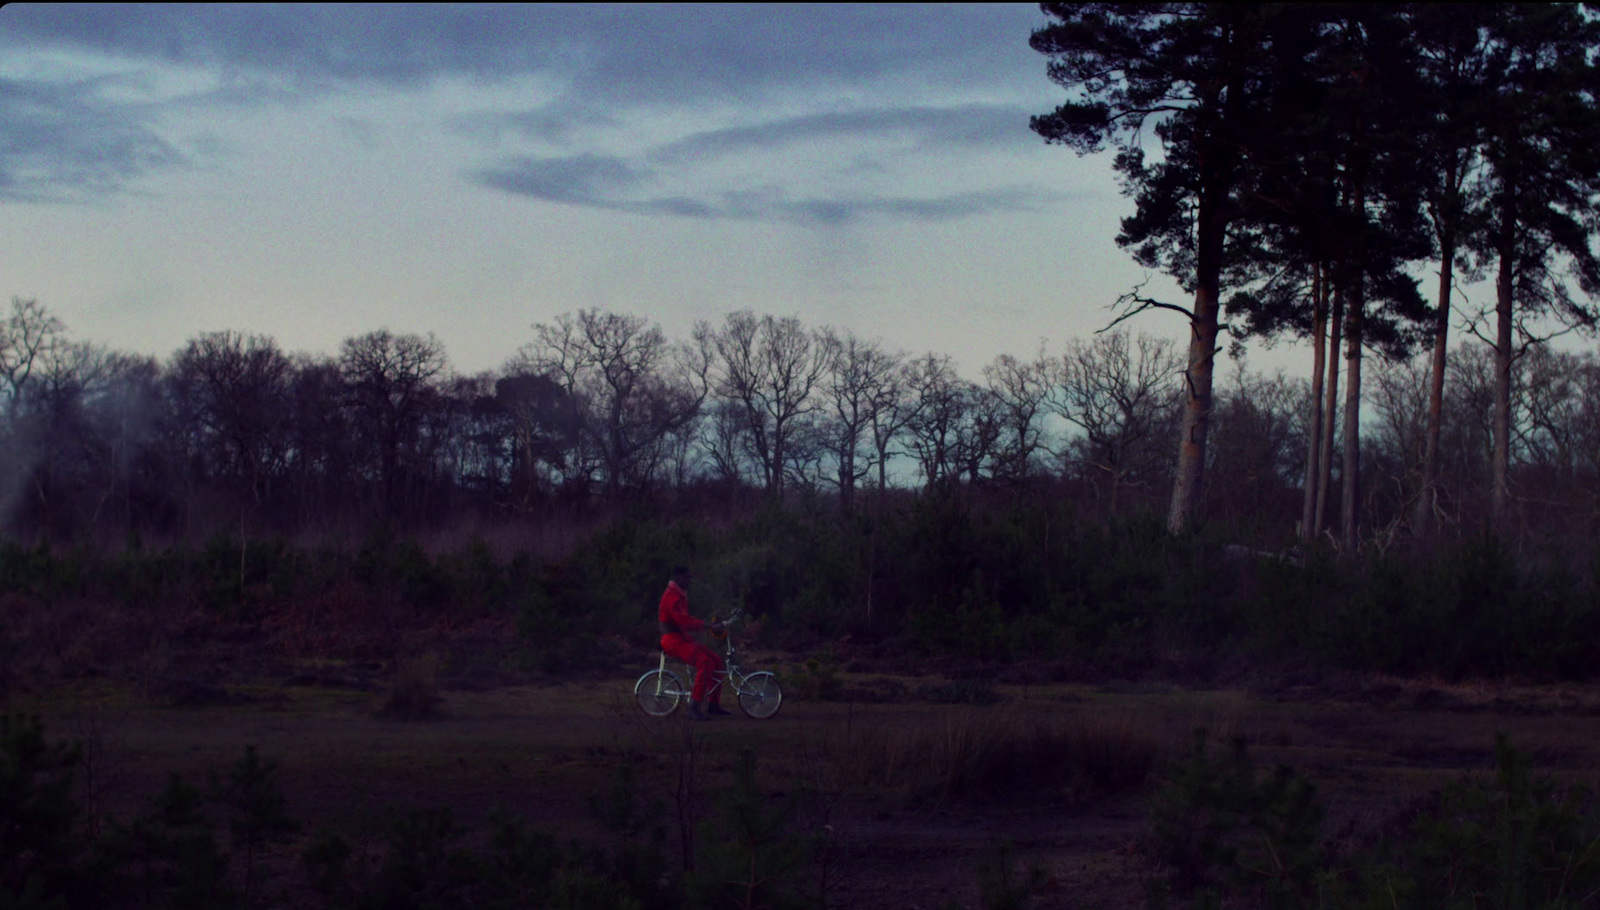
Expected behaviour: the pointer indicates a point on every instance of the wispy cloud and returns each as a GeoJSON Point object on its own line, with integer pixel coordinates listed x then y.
{"type": "Point", "coordinates": [604, 69]}
{"type": "Point", "coordinates": [61, 142]}
{"type": "Point", "coordinates": [554, 123]}
{"type": "Point", "coordinates": [972, 125]}
{"type": "Point", "coordinates": [647, 54]}
{"type": "Point", "coordinates": [587, 179]}
{"type": "Point", "coordinates": [595, 181]}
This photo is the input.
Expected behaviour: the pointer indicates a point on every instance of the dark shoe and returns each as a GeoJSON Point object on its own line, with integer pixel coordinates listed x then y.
{"type": "Point", "coordinates": [697, 713]}
{"type": "Point", "coordinates": [717, 709]}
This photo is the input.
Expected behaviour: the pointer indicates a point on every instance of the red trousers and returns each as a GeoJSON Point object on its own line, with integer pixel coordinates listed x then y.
{"type": "Point", "coordinates": [705, 661]}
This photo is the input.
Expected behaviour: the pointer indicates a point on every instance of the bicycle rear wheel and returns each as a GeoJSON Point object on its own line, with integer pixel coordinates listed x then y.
{"type": "Point", "coordinates": [760, 696]}
{"type": "Point", "coordinates": [658, 693]}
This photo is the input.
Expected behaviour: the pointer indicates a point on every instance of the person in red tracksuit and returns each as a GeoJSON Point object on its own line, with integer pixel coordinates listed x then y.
{"type": "Point", "coordinates": [676, 623]}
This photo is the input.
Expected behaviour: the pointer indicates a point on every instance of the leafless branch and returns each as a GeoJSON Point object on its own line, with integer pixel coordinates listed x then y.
{"type": "Point", "coordinates": [1529, 340]}
{"type": "Point", "coordinates": [1137, 303]}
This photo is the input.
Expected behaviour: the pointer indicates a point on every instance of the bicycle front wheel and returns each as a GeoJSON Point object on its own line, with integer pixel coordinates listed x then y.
{"type": "Point", "coordinates": [658, 693]}
{"type": "Point", "coordinates": [760, 696]}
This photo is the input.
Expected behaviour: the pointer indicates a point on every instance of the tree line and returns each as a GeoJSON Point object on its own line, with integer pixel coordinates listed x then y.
{"type": "Point", "coordinates": [1296, 166]}
{"type": "Point", "coordinates": [232, 432]}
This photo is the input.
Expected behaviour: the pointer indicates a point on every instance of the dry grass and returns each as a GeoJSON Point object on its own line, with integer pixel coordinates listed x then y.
{"type": "Point", "coordinates": [1002, 752]}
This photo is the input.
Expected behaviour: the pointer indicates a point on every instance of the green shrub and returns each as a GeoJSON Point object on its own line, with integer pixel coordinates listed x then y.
{"type": "Point", "coordinates": [1474, 610]}
{"type": "Point", "coordinates": [37, 815]}
{"type": "Point", "coordinates": [1220, 829]}
{"type": "Point", "coordinates": [169, 854]}
{"type": "Point", "coordinates": [423, 866]}
{"type": "Point", "coordinates": [637, 857]}
{"type": "Point", "coordinates": [751, 855]}
{"type": "Point", "coordinates": [1514, 841]}
{"type": "Point", "coordinates": [257, 809]}
{"type": "Point", "coordinates": [1000, 886]}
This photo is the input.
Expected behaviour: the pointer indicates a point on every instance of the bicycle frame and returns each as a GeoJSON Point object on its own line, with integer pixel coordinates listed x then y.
{"type": "Point", "coordinates": [731, 672]}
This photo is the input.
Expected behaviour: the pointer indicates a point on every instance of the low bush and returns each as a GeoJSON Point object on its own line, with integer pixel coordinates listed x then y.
{"type": "Point", "coordinates": [38, 852]}
{"type": "Point", "coordinates": [1475, 610]}
{"type": "Point", "coordinates": [1221, 828]}
{"type": "Point", "coordinates": [753, 855]}
{"type": "Point", "coordinates": [1513, 840]}
{"type": "Point", "coordinates": [817, 678]}
{"type": "Point", "coordinates": [1001, 886]}
{"type": "Point", "coordinates": [1228, 835]}
{"type": "Point", "coordinates": [754, 852]}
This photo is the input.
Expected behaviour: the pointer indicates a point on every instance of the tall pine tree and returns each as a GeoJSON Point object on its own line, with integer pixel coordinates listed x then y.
{"type": "Point", "coordinates": [1191, 75]}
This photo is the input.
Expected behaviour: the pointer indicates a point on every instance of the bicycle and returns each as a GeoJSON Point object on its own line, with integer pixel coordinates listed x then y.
{"type": "Point", "coordinates": [660, 691]}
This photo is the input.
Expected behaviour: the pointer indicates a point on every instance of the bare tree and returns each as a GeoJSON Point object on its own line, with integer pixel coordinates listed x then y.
{"type": "Point", "coordinates": [805, 453]}
{"type": "Point", "coordinates": [1401, 392]}
{"type": "Point", "coordinates": [1261, 431]}
{"type": "Point", "coordinates": [1118, 391]}
{"type": "Point", "coordinates": [1467, 437]}
{"type": "Point", "coordinates": [1553, 430]}
{"type": "Point", "coordinates": [27, 335]}
{"type": "Point", "coordinates": [87, 411]}
{"type": "Point", "coordinates": [634, 389]}
{"type": "Point", "coordinates": [891, 410]}
{"type": "Point", "coordinates": [231, 391]}
{"type": "Point", "coordinates": [856, 388]}
{"type": "Point", "coordinates": [770, 367]}
{"type": "Point", "coordinates": [542, 426]}
{"type": "Point", "coordinates": [1021, 389]}
{"type": "Point", "coordinates": [979, 436]}
{"type": "Point", "coordinates": [939, 400]}
{"type": "Point", "coordinates": [323, 446]}
{"type": "Point", "coordinates": [390, 379]}
{"type": "Point", "coordinates": [122, 404]}
{"type": "Point", "coordinates": [725, 442]}
{"type": "Point", "coordinates": [1586, 444]}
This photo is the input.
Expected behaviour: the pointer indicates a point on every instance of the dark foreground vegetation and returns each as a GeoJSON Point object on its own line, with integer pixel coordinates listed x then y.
{"type": "Point", "coordinates": [1219, 832]}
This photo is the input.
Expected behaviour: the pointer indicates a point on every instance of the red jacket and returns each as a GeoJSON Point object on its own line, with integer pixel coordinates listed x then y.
{"type": "Point", "coordinates": [674, 613]}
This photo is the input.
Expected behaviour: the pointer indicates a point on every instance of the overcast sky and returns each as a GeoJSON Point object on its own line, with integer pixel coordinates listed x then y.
{"type": "Point", "coordinates": [314, 173]}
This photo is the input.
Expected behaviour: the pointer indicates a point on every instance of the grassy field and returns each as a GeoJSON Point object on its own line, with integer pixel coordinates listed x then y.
{"type": "Point", "coordinates": [910, 791]}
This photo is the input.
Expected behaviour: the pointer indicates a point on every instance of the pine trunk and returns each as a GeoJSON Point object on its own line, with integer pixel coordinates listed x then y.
{"type": "Point", "coordinates": [1350, 502]}
{"type": "Point", "coordinates": [1330, 414]}
{"type": "Point", "coordinates": [1319, 328]}
{"type": "Point", "coordinates": [1500, 469]}
{"type": "Point", "coordinates": [1428, 498]}
{"type": "Point", "coordinates": [1196, 422]}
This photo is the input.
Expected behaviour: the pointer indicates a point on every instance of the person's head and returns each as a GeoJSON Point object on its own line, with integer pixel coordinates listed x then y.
{"type": "Point", "coordinates": [682, 576]}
